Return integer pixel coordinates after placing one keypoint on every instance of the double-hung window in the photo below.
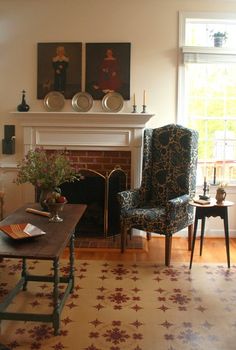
(207, 91)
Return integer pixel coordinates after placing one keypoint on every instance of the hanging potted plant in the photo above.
(219, 38)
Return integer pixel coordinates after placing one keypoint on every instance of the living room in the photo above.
(153, 31)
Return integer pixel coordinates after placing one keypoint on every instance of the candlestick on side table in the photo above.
(214, 175)
(205, 190)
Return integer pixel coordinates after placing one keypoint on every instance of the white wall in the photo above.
(151, 26)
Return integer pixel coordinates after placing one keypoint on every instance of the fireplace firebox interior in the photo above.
(102, 216)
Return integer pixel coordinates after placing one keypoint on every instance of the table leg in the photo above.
(72, 258)
(194, 239)
(226, 227)
(190, 235)
(56, 314)
(123, 237)
(24, 273)
(202, 233)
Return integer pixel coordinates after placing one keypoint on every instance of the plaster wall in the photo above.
(151, 26)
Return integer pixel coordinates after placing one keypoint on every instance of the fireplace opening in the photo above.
(99, 192)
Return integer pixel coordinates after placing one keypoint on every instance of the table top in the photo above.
(212, 204)
(48, 246)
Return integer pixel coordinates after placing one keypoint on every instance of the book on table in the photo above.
(202, 201)
(22, 231)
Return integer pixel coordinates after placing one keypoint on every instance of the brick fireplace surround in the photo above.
(101, 161)
(98, 141)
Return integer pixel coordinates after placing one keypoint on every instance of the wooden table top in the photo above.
(48, 246)
(212, 204)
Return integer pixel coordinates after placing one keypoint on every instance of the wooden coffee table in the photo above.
(47, 247)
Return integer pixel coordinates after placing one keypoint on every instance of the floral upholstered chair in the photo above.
(161, 204)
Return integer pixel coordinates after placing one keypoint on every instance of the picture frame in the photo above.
(108, 69)
(59, 68)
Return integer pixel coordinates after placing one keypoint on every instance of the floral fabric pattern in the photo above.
(160, 205)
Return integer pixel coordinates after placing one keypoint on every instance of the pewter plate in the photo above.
(112, 102)
(54, 101)
(82, 102)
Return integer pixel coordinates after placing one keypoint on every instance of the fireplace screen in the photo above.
(99, 192)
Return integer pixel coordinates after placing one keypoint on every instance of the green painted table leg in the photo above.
(72, 259)
(56, 313)
(24, 273)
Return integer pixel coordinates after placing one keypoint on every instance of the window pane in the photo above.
(199, 32)
(211, 109)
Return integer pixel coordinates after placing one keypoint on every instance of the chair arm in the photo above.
(178, 206)
(128, 199)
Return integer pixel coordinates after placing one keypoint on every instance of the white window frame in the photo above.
(198, 54)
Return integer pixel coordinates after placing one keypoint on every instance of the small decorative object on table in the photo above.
(46, 171)
(23, 107)
(220, 194)
(55, 203)
(205, 190)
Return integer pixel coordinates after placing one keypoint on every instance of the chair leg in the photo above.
(168, 244)
(190, 236)
(123, 238)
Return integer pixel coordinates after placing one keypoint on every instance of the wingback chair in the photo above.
(161, 204)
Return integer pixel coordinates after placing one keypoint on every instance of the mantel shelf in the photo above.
(91, 119)
(86, 114)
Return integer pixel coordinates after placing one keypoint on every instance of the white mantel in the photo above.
(87, 131)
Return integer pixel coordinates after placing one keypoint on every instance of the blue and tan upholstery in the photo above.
(161, 204)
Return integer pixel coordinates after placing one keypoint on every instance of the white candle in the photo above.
(134, 100)
(144, 97)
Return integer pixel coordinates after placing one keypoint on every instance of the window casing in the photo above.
(207, 92)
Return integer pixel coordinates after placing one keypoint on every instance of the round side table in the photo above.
(207, 210)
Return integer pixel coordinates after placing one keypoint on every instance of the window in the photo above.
(207, 92)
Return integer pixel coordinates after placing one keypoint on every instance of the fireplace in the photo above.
(98, 131)
(100, 139)
(101, 217)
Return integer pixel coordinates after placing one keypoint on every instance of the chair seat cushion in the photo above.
(148, 218)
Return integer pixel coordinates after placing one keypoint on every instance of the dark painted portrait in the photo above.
(59, 68)
(108, 69)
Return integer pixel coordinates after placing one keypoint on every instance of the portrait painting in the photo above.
(59, 69)
(108, 69)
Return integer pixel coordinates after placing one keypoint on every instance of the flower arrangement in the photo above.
(45, 169)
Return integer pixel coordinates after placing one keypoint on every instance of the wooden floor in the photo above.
(213, 251)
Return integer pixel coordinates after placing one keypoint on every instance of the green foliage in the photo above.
(222, 35)
(45, 170)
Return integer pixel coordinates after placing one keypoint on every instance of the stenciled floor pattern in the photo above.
(123, 305)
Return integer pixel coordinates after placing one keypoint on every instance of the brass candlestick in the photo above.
(134, 109)
(144, 109)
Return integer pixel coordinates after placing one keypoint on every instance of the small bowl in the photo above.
(54, 209)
